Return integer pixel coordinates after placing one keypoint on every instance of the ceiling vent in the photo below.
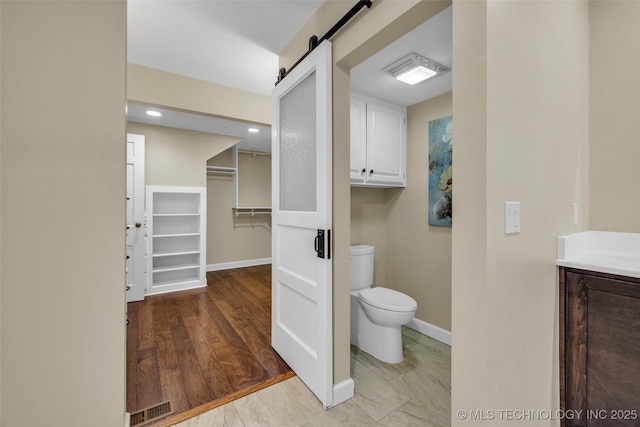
(413, 69)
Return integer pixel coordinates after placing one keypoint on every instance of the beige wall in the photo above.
(150, 86)
(236, 238)
(418, 256)
(177, 156)
(522, 132)
(469, 320)
(369, 226)
(371, 30)
(614, 175)
(254, 180)
(63, 213)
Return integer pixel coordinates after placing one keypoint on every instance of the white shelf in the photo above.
(252, 211)
(177, 268)
(188, 282)
(176, 235)
(167, 254)
(177, 247)
(176, 214)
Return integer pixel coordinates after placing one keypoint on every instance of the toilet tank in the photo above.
(361, 266)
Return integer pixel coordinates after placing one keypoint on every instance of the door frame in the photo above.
(137, 229)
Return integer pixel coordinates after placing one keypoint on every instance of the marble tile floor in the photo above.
(416, 392)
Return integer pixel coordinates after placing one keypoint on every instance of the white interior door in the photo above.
(136, 229)
(301, 322)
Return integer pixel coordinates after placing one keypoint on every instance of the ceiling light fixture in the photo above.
(413, 68)
(254, 130)
(154, 113)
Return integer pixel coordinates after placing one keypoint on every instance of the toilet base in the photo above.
(382, 342)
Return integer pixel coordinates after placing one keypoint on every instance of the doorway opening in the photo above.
(170, 355)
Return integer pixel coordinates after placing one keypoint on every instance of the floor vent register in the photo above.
(152, 413)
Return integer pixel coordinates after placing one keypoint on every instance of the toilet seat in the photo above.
(388, 299)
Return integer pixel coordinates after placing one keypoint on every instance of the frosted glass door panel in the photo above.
(298, 147)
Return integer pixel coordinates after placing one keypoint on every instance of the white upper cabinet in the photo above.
(378, 143)
(358, 141)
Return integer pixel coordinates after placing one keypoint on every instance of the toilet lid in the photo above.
(388, 299)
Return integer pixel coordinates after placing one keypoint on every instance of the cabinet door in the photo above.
(358, 141)
(602, 340)
(386, 142)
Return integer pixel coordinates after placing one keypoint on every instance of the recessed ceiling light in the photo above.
(254, 130)
(154, 113)
(413, 68)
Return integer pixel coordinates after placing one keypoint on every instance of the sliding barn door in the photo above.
(301, 231)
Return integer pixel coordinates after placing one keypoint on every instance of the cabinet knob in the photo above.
(138, 224)
(371, 171)
(364, 170)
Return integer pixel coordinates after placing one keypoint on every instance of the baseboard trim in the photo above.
(238, 264)
(342, 392)
(430, 330)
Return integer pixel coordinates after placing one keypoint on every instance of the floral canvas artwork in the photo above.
(440, 177)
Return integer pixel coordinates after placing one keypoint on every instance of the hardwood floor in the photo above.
(198, 346)
(415, 392)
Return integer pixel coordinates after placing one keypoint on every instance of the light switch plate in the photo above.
(511, 217)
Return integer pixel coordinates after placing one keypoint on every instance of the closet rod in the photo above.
(254, 153)
(252, 211)
(221, 169)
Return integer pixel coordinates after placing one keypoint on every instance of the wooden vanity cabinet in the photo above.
(599, 348)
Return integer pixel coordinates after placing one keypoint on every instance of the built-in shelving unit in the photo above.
(177, 226)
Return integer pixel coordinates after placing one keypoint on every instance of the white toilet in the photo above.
(376, 313)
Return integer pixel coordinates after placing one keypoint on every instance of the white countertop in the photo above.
(603, 251)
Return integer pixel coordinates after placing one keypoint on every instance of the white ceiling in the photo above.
(236, 43)
(432, 40)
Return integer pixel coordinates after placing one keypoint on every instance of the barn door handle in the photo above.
(318, 244)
